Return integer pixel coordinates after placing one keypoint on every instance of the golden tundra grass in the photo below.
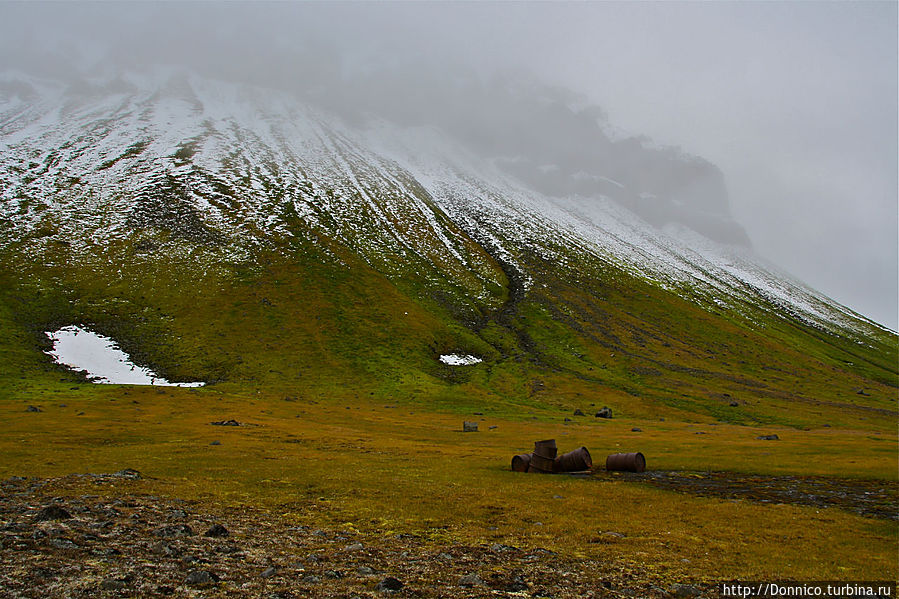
(344, 462)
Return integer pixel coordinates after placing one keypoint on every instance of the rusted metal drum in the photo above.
(574, 461)
(626, 462)
(543, 458)
(521, 462)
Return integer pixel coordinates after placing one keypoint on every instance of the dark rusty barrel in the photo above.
(544, 455)
(521, 462)
(626, 462)
(574, 461)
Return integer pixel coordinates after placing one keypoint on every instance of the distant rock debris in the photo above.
(231, 422)
(605, 412)
(52, 512)
(683, 591)
(471, 580)
(33, 409)
(469, 427)
(389, 584)
(216, 530)
(174, 531)
(200, 577)
(767, 438)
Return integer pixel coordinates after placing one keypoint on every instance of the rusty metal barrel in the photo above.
(626, 462)
(574, 461)
(521, 462)
(543, 458)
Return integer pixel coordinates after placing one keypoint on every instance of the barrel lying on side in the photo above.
(574, 461)
(543, 458)
(521, 462)
(626, 462)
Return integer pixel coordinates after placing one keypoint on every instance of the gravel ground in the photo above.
(55, 542)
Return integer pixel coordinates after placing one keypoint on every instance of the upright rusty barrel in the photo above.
(574, 461)
(544, 456)
(626, 462)
(521, 462)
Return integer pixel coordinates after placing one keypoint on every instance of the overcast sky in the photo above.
(795, 102)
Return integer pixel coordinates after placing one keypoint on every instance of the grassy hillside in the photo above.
(351, 420)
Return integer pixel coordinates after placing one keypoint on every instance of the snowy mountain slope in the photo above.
(235, 161)
(99, 156)
(225, 232)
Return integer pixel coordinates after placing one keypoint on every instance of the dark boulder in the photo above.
(389, 584)
(52, 512)
(216, 530)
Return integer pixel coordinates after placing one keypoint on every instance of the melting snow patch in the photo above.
(459, 360)
(101, 359)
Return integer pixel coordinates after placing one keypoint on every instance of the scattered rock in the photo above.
(216, 443)
(161, 548)
(312, 579)
(231, 422)
(63, 544)
(734, 404)
(636, 430)
(52, 512)
(605, 412)
(516, 585)
(767, 438)
(269, 572)
(578, 412)
(112, 585)
(469, 427)
(681, 591)
(492, 426)
(198, 577)
(354, 547)
(389, 584)
(217, 530)
(33, 409)
(174, 531)
(568, 419)
(365, 571)
(128, 473)
(471, 580)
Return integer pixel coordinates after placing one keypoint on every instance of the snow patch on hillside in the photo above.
(104, 362)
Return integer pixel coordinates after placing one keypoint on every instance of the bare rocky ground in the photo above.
(868, 498)
(56, 542)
